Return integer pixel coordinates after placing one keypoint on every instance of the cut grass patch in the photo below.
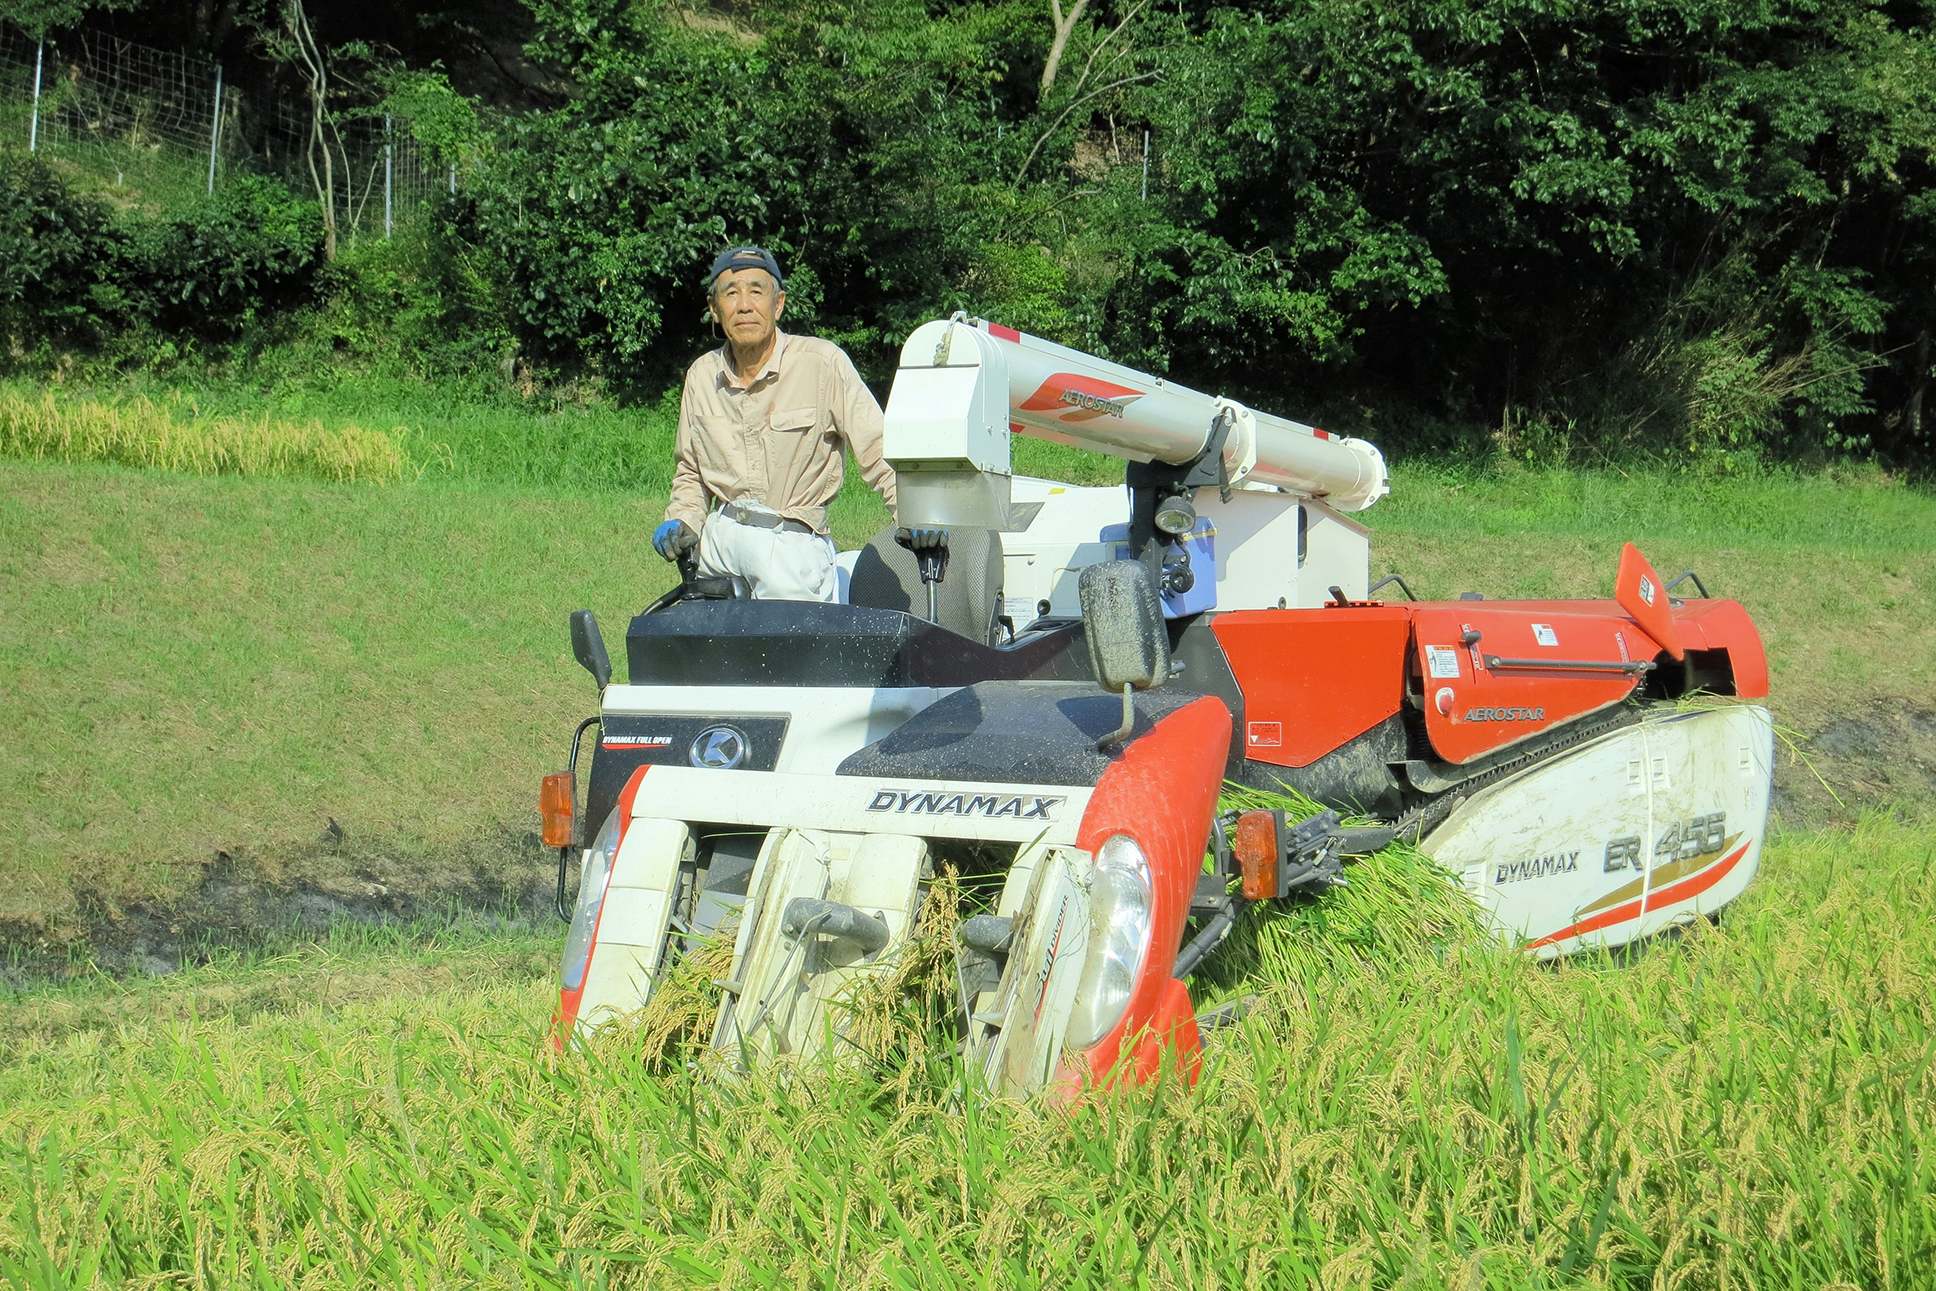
(193, 665)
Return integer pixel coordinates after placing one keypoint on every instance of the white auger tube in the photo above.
(941, 415)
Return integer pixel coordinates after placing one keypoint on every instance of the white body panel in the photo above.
(1656, 824)
(1018, 1029)
(1258, 557)
(995, 813)
(631, 933)
(946, 431)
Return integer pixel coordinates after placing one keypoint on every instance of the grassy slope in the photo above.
(1839, 572)
(192, 665)
(1738, 1109)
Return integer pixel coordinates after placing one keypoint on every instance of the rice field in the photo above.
(1405, 1105)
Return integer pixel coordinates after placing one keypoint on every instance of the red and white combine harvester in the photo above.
(1056, 697)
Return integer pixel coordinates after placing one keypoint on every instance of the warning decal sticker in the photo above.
(1442, 660)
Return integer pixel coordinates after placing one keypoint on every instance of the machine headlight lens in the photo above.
(1176, 516)
(1119, 936)
(592, 881)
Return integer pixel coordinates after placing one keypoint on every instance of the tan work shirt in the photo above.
(777, 439)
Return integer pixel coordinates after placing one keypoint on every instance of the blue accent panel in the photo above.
(1202, 546)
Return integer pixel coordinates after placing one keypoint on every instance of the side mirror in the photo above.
(588, 647)
(1129, 644)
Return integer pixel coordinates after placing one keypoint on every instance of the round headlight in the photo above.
(1176, 516)
(1119, 936)
(592, 880)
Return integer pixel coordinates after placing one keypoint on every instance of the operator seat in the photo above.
(969, 599)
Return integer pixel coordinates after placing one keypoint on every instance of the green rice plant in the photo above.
(140, 432)
(1741, 1107)
(1394, 904)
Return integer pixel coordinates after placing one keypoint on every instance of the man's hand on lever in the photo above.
(930, 548)
(922, 539)
(673, 539)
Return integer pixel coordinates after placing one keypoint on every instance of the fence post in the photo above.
(453, 177)
(215, 128)
(1146, 165)
(387, 154)
(33, 122)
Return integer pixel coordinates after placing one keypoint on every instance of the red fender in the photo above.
(1162, 792)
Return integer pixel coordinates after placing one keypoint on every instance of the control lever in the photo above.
(692, 587)
(695, 588)
(930, 548)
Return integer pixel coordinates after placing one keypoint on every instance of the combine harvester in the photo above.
(1059, 694)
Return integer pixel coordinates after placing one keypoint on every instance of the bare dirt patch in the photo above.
(1880, 755)
(260, 902)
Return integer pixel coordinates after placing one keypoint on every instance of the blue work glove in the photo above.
(674, 537)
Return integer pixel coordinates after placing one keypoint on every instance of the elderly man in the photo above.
(761, 423)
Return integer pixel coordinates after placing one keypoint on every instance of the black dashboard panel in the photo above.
(1015, 732)
(800, 643)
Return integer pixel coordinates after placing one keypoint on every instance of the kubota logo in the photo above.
(1085, 398)
(718, 748)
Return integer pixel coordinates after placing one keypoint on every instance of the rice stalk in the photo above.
(1745, 1107)
(142, 433)
(906, 1014)
(676, 1024)
(1392, 905)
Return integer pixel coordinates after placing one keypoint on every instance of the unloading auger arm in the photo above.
(965, 385)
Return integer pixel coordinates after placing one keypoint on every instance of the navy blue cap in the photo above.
(745, 258)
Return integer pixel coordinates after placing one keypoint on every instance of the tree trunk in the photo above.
(1063, 29)
(1912, 417)
(325, 180)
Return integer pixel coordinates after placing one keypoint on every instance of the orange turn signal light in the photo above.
(555, 804)
(1258, 854)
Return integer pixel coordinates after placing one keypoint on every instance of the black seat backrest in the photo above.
(969, 600)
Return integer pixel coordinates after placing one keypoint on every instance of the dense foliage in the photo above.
(1688, 227)
(1691, 225)
(72, 269)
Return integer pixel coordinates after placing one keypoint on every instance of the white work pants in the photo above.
(768, 564)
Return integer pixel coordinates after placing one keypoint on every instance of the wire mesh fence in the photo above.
(159, 127)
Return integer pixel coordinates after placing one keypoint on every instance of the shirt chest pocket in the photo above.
(795, 421)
